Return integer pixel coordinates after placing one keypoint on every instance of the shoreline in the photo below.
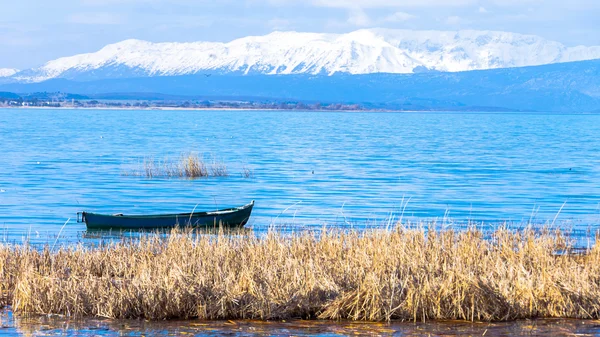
(204, 109)
(442, 111)
(31, 325)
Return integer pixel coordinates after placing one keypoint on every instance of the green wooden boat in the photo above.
(229, 218)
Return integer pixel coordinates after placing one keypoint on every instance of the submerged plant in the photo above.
(218, 169)
(247, 172)
(186, 166)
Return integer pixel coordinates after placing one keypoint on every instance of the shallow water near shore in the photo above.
(60, 326)
(310, 169)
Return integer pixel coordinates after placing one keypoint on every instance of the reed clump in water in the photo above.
(375, 275)
(247, 172)
(186, 166)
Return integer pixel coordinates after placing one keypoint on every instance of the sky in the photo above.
(35, 31)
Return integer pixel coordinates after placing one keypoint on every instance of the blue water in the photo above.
(310, 168)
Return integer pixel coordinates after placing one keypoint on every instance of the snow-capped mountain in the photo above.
(6, 72)
(359, 52)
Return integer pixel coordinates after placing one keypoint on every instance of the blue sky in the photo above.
(35, 31)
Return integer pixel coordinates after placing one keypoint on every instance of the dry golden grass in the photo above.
(375, 275)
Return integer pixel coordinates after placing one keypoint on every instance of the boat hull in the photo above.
(229, 218)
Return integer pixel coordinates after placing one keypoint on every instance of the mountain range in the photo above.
(363, 51)
(7, 72)
(393, 69)
(561, 87)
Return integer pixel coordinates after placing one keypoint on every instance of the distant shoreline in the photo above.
(137, 108)
(203, 109)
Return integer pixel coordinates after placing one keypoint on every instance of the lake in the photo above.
(310, 169)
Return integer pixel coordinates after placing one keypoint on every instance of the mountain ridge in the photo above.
(561, 87)
(363, 51)
(7, 72)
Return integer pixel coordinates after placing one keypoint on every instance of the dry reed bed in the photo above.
(375, 276)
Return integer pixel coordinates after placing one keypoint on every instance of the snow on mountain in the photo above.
(6, 72)
(359, 52)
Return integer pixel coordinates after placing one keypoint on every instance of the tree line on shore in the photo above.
(57, 100)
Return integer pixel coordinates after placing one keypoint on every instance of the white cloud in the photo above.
(399, 17)
(358, 17)
(482, 10)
